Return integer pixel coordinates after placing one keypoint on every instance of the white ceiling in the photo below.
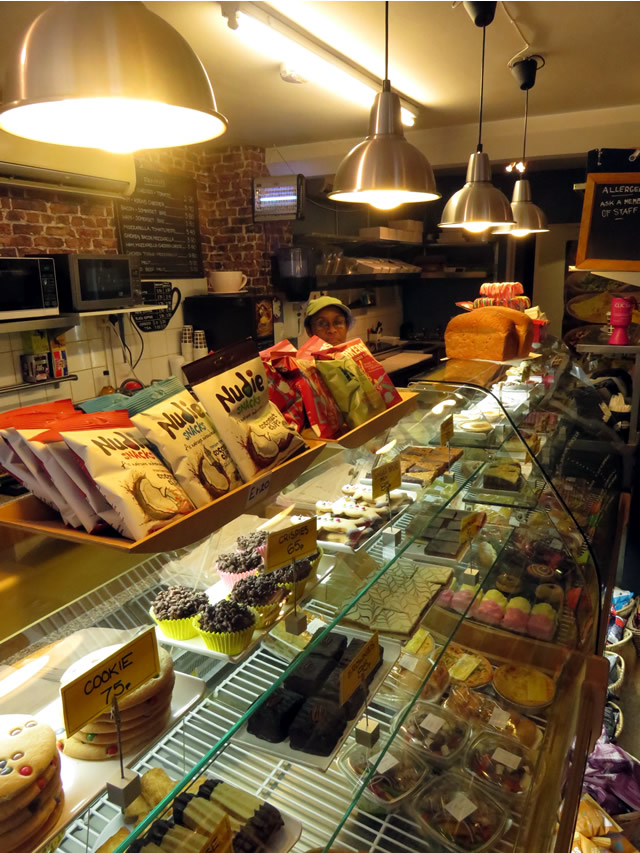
(590, 51)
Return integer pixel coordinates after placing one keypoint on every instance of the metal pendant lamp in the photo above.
(384, 170)
(479, 205)
(107, 75)
(528, 217)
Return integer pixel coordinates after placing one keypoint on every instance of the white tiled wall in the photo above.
(93, 348)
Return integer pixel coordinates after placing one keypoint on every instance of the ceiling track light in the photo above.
(528, 217)
(479, 205)
(384, 170)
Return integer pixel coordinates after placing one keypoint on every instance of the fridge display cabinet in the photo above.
(415, 788)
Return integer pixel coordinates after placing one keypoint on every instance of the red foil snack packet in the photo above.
(282, 376)
(358, 351)
(320, 408)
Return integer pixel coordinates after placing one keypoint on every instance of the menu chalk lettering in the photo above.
(159, 222)
(93, 692)
(610, 222)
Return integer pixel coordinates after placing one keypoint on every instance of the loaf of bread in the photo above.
(524, 328)
(484, 333)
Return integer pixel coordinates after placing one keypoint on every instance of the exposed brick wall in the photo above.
(41, 220)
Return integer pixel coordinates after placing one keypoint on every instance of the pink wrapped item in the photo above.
(502, 289)
(321, 410)
(283, 377)
(462, 598)
(444, 599)
(489, 612)
(516, 620)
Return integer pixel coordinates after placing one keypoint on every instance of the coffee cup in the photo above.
(226, 281)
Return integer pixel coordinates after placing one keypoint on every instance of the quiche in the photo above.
(524, 685)
(466, 666)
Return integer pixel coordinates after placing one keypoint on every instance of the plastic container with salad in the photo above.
(398, 775)
(504, 765)
(439, 735)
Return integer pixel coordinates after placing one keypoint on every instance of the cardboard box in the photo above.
(58, 361)
(35, 367)
(35, 342)
(407, 225)
(380, 233)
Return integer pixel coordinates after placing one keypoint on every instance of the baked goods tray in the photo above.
(525, 498)
(32, 516)
(216, 593)
(390, 653)
(83, 781)
(341, 548)
(372, 428)
(281, 842)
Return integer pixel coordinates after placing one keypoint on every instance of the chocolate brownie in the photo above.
(309, 675)
(318, 727)
(271, 721)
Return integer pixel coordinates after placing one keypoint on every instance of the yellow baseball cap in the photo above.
(321, 302)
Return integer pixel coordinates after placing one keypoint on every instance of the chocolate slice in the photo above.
(271, 721)
(330, 646)
(317, 727)
(331, 692)
(309, 675)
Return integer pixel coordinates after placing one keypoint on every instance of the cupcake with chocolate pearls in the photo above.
(225, 627)
(173, 610)
(261, 595)
(256, 541)
(234, 566)
(287, 577)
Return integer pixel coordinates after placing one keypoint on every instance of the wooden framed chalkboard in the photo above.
(160, 223)
(610, 226)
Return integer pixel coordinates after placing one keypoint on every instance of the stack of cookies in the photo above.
(144, 713)
(30, 787)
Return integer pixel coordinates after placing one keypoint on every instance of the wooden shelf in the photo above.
(355, 438)
(32, 516)
(342, 282)
(464, 274)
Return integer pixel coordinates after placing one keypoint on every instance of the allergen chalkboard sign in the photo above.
(610, 226)
(159, 222)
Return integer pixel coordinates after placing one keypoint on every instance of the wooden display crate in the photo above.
(355, 438)
(32, 516)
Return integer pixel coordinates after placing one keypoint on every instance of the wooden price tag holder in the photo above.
(354, 676)
(97, 690)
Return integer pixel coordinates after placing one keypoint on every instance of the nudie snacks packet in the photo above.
(179, 430)
(143, 492)
(232, 386)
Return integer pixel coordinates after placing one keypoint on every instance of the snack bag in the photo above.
(350, 387)
(178, 429)
(105, 403)
(232, 386)
(40, 484)
(282, 375)
(375, 372)
(144, 494)
(320, 408)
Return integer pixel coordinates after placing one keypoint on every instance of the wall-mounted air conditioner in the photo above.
(60, 167)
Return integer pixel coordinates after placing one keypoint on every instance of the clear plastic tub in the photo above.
(501, 763)
(439, 735)
(405, 678)
(398, 775)
(482, 712)
(456, 810)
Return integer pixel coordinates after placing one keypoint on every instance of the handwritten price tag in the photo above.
(469, 526)
(292, 543)
(92, 692)
(258, 491)
(359, 669)
(446, 430)
(220, 839)
(385, 478)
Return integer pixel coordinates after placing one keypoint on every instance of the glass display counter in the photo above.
(446, 668)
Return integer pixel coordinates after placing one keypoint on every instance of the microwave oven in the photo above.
(97, 282)
(27, 288)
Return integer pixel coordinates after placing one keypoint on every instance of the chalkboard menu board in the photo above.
(159, 222)
(610, 226)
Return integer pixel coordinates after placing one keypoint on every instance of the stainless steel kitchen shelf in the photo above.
(30, 386)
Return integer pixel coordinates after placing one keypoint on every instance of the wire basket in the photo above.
(616, 687)
(615, 647)
(635, 632)
(628, 608)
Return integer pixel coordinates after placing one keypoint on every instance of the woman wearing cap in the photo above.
(329, 319)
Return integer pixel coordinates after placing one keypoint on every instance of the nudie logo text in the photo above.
(183, 415)
(247, 386)
(116, 441)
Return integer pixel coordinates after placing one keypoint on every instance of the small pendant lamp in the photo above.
(107, 75)
(528, 217)
(384, 170)
(479, 205)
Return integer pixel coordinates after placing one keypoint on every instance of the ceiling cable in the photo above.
(484, 38)
(526, 118)
(386, 40)
(527, 45)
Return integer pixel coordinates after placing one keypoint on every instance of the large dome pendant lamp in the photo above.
(107, 75)
(528, 217)
(479, 205)
(384, 170)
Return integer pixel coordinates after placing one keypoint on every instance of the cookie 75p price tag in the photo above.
(385, 478)
(92, 692)
(291, 543)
